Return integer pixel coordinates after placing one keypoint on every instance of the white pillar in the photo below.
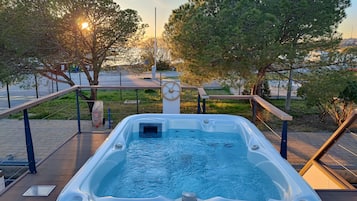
(153, 72)
(171, 91)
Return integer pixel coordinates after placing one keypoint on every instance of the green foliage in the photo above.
(229, 107)
(350, 92)
(323, 85)
(265, 90)
(10, 63)
(298, 107)
(215, 38)
(50, 33)
(332, 91)
(163, 65)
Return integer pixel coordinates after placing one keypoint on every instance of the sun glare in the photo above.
(85, 25)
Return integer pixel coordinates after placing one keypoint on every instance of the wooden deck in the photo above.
(66, 161)
(58, 169)
(338, 195)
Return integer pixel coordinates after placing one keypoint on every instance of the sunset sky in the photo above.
(146, 9)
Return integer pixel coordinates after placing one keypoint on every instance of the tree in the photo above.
(72, 32)
(249, 36)
(11, 64)
(350, 92)
(332, 90)
(162, 57)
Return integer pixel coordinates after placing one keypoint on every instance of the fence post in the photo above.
(204, 106)
(137, 101)
(78, 111)
(198, 103)
(29, 144)
(254, 110)
(8, 95)
(284, 140)
(109, 119)
(36, 85)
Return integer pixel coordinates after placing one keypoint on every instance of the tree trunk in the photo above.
(93, 98)
(257, 87)
(257, 90)
(288, 93)
(93, 82)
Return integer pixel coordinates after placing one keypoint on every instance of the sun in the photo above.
(85, 25)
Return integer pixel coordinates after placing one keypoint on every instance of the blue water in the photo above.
(204, 163)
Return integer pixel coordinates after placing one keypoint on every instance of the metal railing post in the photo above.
(204, 106)
(137, 101)
(109, 119)
(29, 144)
(254, 110)
(78, 111)
(198, 104)
(8, 95)
(284, 140)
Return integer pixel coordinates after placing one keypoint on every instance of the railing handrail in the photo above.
(52, 96)
(272, 109)
(36, 102)
(265, 104)
(127, 87)
(202, 93)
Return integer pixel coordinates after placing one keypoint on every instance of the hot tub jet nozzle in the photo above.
(189, 196)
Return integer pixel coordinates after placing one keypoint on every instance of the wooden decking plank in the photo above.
(58, 169)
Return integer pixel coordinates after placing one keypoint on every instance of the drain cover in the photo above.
(39, 190)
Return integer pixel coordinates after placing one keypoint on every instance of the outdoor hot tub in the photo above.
(188, 157)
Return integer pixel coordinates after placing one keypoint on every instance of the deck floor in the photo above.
(58, 169)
